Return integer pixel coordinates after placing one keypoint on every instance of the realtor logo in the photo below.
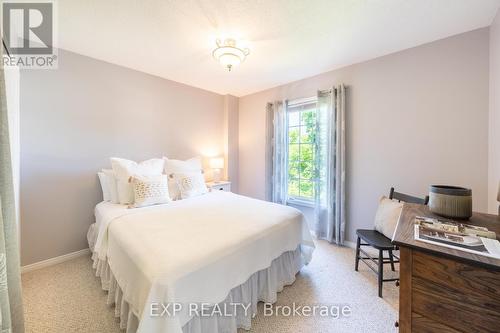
(28, 34)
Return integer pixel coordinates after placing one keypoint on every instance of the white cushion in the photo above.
(190, 184)
(387, 216)
(179, 166)
(172, 167)
(150, 190)
(124, 169)
(104, 185)
(112, 186)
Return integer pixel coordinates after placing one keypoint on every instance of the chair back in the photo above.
(401, 197)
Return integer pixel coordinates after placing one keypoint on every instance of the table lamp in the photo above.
(217, 163)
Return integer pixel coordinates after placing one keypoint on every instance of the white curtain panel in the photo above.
(11, 319)
(330, 166)
(279, 151)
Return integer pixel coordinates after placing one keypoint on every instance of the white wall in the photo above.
(494, 120)
(414, 118)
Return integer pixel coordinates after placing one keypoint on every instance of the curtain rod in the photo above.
(305, 100)
(329, 90)
(302, 101)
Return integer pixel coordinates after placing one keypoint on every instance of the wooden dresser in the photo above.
(446, 290)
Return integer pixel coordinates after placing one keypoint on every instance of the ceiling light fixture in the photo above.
(228, 54)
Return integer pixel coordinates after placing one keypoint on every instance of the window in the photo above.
(301, 143)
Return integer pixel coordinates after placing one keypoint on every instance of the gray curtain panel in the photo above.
(330, 166)
(279, 151)
(10, 274)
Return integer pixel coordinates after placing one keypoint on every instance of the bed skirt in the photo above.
(261, 286)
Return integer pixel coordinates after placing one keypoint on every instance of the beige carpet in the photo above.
(68, 298)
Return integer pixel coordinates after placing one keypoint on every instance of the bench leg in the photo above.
(392, 260)
(356, 264)
(380, 271)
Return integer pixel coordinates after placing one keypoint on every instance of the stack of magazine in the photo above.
(456, 235)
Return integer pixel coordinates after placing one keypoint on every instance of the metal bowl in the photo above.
(450, 201)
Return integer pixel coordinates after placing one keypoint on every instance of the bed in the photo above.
(218, 249)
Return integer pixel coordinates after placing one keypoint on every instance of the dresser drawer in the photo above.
(451, 296)
(423, 324)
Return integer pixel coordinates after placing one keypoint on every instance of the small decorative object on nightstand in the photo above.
(222, 185)
(217, 163)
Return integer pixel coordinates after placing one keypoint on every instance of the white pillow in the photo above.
(112, 187)
(172, 167)
(150, 190)
(178, 166)
(104, 185)
(124, 169)
(190, 184)
(387, 216)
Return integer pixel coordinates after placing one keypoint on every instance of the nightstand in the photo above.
(223, 185)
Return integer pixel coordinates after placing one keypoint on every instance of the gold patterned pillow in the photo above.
(190, 184)
(150, 190)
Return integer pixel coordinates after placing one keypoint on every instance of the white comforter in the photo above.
(194, 250)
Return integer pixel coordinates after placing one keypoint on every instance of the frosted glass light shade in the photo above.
(217, 163)
(228, 54)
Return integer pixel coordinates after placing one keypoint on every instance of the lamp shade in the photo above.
(228, 54)
(216, 163)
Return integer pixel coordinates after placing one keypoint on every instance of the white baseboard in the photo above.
(54, 261)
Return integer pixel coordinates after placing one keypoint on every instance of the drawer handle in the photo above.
(396, 324)
(221, 189)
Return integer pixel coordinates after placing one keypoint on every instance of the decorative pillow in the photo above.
(172, 167)
(190, 184)
(387, 216)
(150, 190)
(112, 187)
(124, 169)
(104, 185)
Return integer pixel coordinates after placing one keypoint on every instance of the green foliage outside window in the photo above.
(301, 138)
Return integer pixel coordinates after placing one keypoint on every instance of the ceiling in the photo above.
(289, 39)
